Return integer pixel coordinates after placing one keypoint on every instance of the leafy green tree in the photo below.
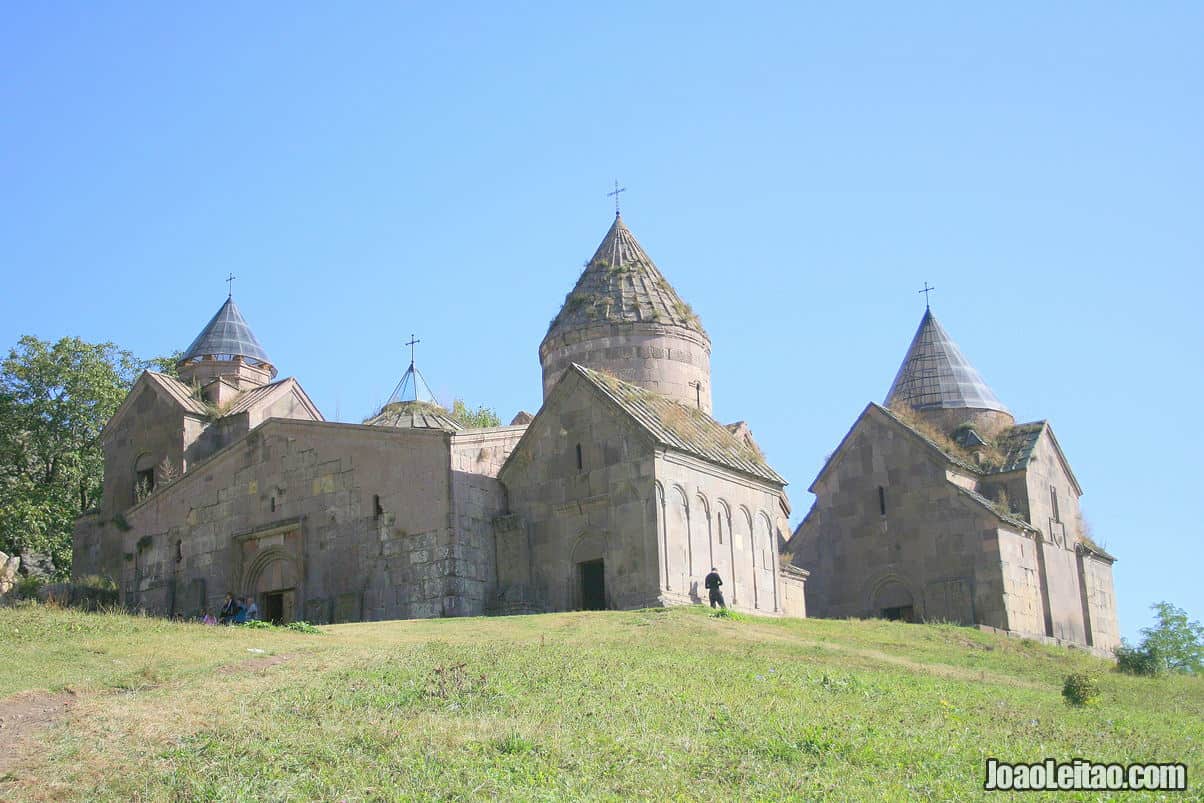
(54, 400)
(1176, 641)
(474, 419)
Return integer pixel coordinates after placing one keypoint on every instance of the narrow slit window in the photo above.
(1053, 504)
(580, 462)
(881, 500)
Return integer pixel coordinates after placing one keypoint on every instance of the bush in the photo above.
(302, 627)
(27, 587)
(1142, 660)
(1080, 689)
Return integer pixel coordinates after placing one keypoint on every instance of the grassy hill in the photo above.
(658, 704)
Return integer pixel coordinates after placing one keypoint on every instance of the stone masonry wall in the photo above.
(934, 548)
(562, 514)
(1101, 602)
(357, 517)
(714, 517)
(660, 358)
(477, 498)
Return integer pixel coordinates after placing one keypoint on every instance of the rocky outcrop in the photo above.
(8, 572)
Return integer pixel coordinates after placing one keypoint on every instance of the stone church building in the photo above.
(621, 492)
(937, 505)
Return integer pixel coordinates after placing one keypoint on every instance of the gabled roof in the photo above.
(676, 426)
(932, 445)
(1018, 444)
(178, 392)
(620, 284)
(265, 394)
(227, 335)
(166, 387)
(936, 375)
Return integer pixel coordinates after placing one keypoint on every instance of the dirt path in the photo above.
(23, 716)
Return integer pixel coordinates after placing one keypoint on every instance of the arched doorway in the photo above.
(892, 600)
(589, 564)
(271, 579)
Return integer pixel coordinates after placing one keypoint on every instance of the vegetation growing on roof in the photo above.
(478, 418)
(985, 458)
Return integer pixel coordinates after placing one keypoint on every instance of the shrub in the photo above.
(1140, 660)
(1080, 689)
(27, 587)
(302, 627)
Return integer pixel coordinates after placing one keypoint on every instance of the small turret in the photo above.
(412, 404)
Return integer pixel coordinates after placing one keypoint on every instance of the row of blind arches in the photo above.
(695, 537)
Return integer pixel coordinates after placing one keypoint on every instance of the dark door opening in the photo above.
(278, 606)
(593, 586)
(900, 613)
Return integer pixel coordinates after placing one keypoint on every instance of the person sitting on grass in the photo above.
(252, 610)
(207, 618)
(712, 582)
(229, 608)
(240, 613)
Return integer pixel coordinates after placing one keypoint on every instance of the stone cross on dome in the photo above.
(413, 341)
(926, 291)
(615, 195)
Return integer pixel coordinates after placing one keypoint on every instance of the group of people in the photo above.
(235, 611)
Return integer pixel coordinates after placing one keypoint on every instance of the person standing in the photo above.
(712, 583)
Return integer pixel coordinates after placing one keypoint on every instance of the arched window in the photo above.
(144, 476)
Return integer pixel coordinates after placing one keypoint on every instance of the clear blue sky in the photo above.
(371, 170)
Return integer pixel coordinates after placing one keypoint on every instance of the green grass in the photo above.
(643, 704)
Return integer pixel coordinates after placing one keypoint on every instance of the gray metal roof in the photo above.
(620, 284)
(227, 335)
(935, 374)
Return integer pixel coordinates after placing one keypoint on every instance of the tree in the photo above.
(474, 419)
(1177, 642)
(54, 400)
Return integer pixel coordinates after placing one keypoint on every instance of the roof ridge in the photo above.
(680, 427)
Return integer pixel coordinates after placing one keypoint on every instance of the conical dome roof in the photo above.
(936, 375)
(227, 335)
(621, 284)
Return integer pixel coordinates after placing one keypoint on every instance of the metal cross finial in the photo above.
(926, 291)
(411, 344)
(230, 285)
(618, 189)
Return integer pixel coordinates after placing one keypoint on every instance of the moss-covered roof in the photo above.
(620, 284)
(1018, 444)
(686, 429)
(414, 414)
